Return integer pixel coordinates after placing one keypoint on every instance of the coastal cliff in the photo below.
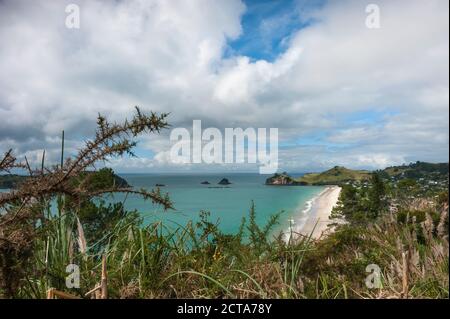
(283, 179)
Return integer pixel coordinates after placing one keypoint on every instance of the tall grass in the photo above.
(198, 261)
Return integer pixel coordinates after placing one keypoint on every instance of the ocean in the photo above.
(227, 206)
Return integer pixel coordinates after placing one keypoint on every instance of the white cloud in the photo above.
(169, 56)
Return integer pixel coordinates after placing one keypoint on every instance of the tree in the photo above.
(377, 196)
(350, 205)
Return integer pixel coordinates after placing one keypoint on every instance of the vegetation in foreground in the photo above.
(407, 239)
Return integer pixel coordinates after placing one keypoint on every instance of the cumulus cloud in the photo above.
(170, 56)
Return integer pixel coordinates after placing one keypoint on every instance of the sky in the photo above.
(339, 93)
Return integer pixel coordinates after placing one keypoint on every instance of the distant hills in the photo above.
(417, 170)
(11, 181)
(336, 175)
(339, 175)
(424, 173)
(104, 175)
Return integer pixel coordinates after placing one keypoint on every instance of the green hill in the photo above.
(418, 170)
(11, 180)
(336, 175)
(436, 173)
(104, 176)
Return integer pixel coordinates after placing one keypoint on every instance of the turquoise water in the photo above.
(226, 205)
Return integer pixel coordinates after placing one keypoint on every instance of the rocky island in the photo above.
(224, 181)
(283, 179)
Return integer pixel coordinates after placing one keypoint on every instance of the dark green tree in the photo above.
(350, 205)
(377, 196)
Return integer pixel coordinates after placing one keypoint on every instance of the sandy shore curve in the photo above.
(317, 219)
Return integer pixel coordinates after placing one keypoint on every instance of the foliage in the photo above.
(23, 216)
(199, 261)
(377, 196)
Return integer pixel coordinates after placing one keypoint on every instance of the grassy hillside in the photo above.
(336, 175)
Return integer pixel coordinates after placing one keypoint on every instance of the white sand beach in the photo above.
(317, 219)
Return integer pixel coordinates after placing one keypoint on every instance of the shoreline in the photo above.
(317, 216)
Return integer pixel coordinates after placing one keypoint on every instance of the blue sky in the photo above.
(267, 26)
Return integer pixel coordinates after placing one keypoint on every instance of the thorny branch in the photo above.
(111, 140)
(9, 162)
(21, 208)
